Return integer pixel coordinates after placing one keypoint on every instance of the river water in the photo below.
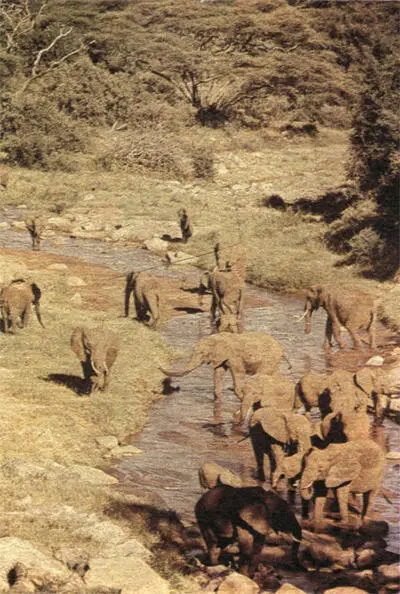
(186, 428)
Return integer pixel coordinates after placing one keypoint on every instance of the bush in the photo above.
(367, 247)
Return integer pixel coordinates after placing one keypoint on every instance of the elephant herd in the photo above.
(334, 453)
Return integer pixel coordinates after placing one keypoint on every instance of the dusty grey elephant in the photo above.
(212, 474)
(16, 301)
(354, 310)
(245, 515)
(97, 349)
(36, 227)
(247, 353)
(271, 433)
(339, 427)
(338, 391)
(354, 467)
(185, 225)
(263, 391)
(380, 383)
(227, 289)
(146, 290)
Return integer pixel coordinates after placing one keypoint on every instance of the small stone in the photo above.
(367, 558)
(4, 225)
(76, 299)
(95, 476)
(19, 225)
(22, 206)
(393, 456)
(58, 266)
(389, 573)
(156, 245)
(107, 441)
(75, 281)
(236, 583)
(345, 590)
(289, 589)
(128, 450)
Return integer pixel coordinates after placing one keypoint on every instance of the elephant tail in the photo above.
(128, 291)
(290, 366)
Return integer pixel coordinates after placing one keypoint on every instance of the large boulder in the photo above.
(129, 574)
(236, 583)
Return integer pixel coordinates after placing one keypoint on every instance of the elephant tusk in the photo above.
(307, 486)
(94, 368)
(302, 317)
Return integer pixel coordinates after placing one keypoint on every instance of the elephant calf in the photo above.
(97, 350)
(212, 475)
(16, 301)
(245, 515)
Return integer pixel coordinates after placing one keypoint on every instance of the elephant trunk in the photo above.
(194, 362)
(308, 312)
(306, 486)
(128, 291)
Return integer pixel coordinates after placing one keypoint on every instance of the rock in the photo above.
(75, 281)
(272, 555)
(130, 574)
(368, 558)
(129, 548)
(22, 206)
(389, 573)
(91, 475)
(22, 470)
(18, 225)
(107, 441)
(128, 450)
(327, 554)
(180, 258)
(76, 299)
(4, 225)
(58, 266)
(62, 224)
(393, 456)
(289, 589)
(156, 245)
(345, 590)
(236, 583)
(15, 551)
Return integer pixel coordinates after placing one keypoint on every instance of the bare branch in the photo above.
(61, 35)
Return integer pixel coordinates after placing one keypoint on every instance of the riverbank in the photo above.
(285, 250)
(55, 442)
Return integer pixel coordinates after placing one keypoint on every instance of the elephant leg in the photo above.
(372, 336)
(319, 504)
(212, 544)
(26, 314)
(342, 494)
(260, 444)
(368, 500)
(4, 315)
(153, 306)
(14, 317)
(277, 470)
(353, 333)
(238, 377)
(337, 333)
(328, 333)
(250, 545)
(87, 374)
(219, 374)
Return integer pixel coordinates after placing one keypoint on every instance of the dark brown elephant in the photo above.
(97, 350)
(185, 225)
(35, 226)
(146, 290)
(16, 301)
(244, 515)
(354, 310)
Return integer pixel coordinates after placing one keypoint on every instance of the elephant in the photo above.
(352, 309)
(353, 467)
(245, 515)
(185, 225)
(271, 433)
(338, 391)
(227, 299)
(212, 474)
(4, 177)
(263, 390)
(380, 383)
(97, 349)
(35, 226)
(339, 427)
(230, 258)
(247, 353)
(16, 300)
(147, 295)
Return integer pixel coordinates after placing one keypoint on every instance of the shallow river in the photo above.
(185, 428)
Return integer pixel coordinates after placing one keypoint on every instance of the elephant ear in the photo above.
(220, 351)
(365, 379)
(345, 467)
(273, 424)
(77, 344)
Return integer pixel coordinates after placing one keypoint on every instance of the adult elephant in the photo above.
(147, 297)
(97, 350)
(230, 257)
(36, 227)
(380, 383)
(354, 467)
(272, 433)
(241, 354)
(263, 391)
(245, 516)
(16, 301)
(227, 299)
(338, 391)
(354, 310)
